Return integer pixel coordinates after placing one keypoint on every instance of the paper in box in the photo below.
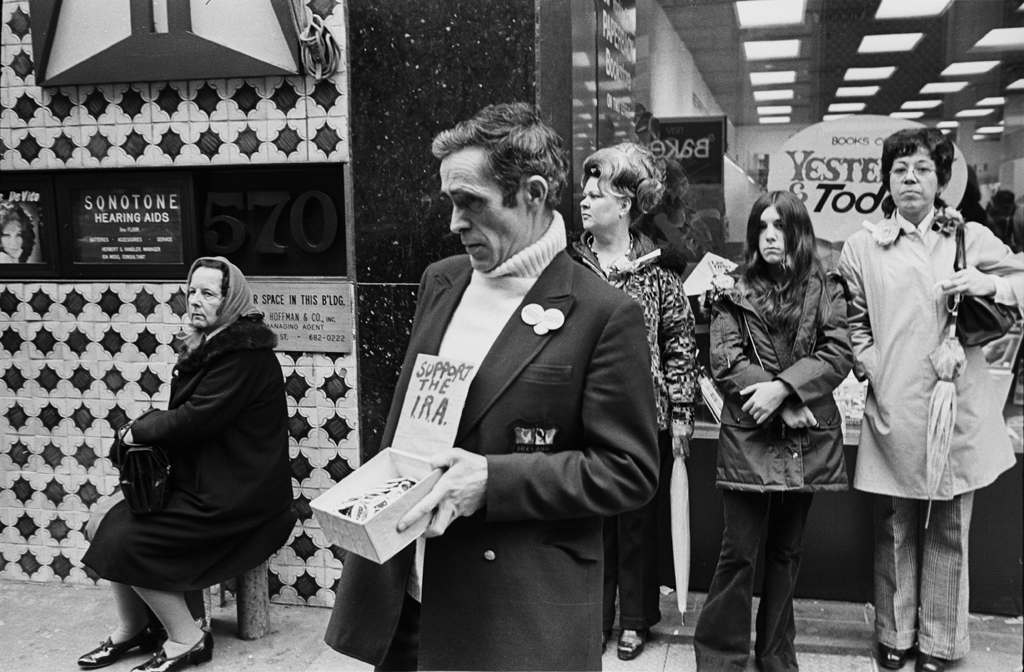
(376, 538)
(428, 422)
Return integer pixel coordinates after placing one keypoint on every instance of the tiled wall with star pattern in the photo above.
(158, 124)
(76, 362)
(79, 359)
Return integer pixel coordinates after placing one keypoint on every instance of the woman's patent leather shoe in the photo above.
(631, 643)
(200, 653)
(890, 658)
(926, 663)
(108, 653)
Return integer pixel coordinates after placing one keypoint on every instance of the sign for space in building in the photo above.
(140, 222)
(835, 167)
(307, 315)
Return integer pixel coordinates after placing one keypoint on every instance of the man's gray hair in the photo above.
(518, 144)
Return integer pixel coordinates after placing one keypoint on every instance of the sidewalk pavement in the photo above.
(46, 626)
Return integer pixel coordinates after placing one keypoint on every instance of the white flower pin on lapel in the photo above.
(542, 320)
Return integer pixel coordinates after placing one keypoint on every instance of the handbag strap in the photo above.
(959, 263)
(960, 260)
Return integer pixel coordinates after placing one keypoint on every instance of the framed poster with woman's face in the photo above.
(27, 227)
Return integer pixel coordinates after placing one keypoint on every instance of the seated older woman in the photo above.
(230, 497)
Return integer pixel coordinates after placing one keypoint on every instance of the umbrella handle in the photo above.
(953, 308)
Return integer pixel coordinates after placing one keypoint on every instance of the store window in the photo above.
(755, 95)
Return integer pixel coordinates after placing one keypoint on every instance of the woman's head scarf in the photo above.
(237, 301)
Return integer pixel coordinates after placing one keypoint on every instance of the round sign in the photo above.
(835, 167)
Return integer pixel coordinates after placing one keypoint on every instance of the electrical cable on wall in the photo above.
(318, 49)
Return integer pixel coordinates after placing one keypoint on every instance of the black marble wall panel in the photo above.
(417, 67)
(385, 318)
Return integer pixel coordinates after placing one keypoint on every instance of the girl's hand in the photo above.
(968, 281)
(798, 417)
(765, 399)
(680, 446)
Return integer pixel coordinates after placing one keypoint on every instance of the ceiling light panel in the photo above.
(991, 101)
(968, 68)
(920, 104)
(907, 9)
(771, 78)
(868, 74)
(768, 110)
(833, 117)
(774, 120)
(770, 50)
(942, 87)
(856, 91)
(906, 115)
(773, 94)
(975, 112)
(846, 107)
(1016, 85)
(989, 129)
(890, 42)
(948, 124)
(1001, 39)
(762, 13)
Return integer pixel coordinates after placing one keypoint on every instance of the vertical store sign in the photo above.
(616, 66)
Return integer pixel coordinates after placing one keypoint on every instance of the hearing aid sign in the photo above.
(433, 404)
(306, 316)
(835, 167)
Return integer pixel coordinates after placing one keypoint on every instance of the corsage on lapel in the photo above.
(946, 220)
(885, 233)
(721, 284)
(625, 266)
(542, 320)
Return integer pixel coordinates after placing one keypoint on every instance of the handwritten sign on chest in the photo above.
(433, 404)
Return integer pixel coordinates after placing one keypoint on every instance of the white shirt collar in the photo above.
(923, 227)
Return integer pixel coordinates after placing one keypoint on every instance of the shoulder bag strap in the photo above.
(959, 263)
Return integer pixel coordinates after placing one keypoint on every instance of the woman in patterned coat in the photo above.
(622, 186)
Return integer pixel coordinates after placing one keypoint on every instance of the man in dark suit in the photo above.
(557, 432)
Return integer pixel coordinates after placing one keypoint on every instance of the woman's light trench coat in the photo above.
(896, 316)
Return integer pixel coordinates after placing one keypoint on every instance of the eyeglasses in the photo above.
(920, 170)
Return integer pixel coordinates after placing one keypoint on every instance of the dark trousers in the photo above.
(722, 637)
(403, 653)
(631, 547)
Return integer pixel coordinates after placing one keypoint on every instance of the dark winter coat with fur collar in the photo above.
(225, 432)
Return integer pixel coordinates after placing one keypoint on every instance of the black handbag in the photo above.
(979, 319)
(145, 474)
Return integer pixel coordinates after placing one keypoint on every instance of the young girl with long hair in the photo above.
(778, 349)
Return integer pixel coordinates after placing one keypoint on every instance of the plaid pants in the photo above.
(921, 579)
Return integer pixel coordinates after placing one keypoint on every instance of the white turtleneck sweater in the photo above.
(486, 306)
(492, 296)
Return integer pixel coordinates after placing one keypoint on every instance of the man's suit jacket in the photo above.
(566, 421)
